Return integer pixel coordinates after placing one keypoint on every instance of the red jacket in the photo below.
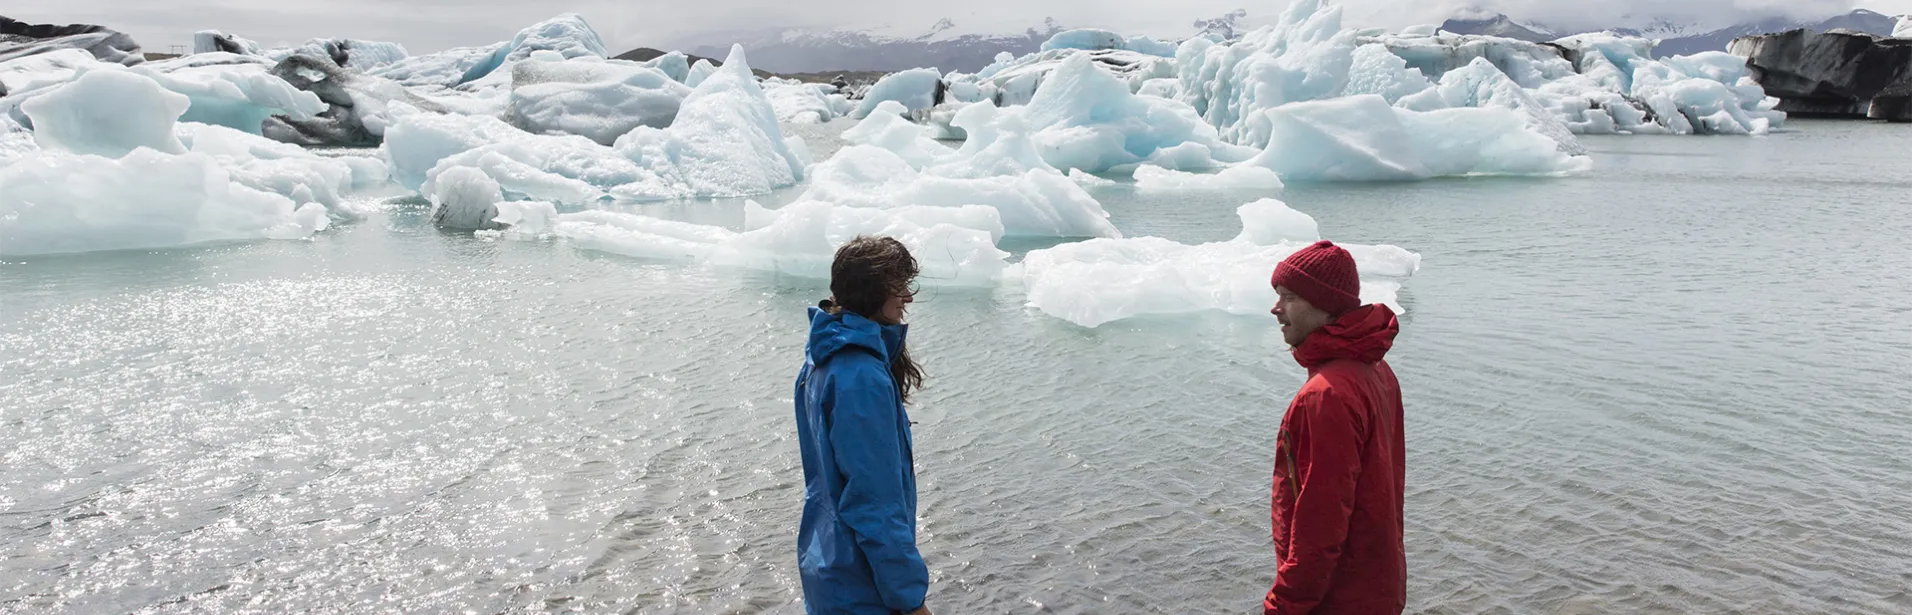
(1339, 472)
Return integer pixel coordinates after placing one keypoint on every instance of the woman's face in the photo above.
(898, 303)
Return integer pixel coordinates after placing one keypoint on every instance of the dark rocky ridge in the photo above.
(1835, 74)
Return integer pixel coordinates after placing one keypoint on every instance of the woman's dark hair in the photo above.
(869, 271)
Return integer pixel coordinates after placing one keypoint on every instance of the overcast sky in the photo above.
(431, 25)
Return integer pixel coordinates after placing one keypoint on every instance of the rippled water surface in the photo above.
(1677, 385)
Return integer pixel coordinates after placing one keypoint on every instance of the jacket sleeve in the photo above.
(870, 454)
(1326, 445)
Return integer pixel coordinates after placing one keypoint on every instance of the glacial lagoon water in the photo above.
(1679, 384)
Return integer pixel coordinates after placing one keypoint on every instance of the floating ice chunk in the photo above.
(1304, 57)
(467, 199)
(700, 71)
(418, 142)
(56, 202)
(917, 89)
(107, 112)
(725, 140)
(1268, 222)
(445, 68)
(21, 75)
(1095, 282)
(1480, 84)
(1089, 180)
(1154, 178)
(1378, 71)
(597, 100)
(802, 238)
(1361, 138)
(348, 53)
(1903, 28)
(1528, 64)
(887, 129)
(675, 64)
(801, 103)
(1036, 203)
(1084, 118)
(1090, 40)
(527, 219)
(285, 169)
(640, 236)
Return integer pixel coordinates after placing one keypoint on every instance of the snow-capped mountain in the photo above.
(947, 45)
(1676, 36)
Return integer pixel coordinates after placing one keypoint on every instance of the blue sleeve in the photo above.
(870, 454)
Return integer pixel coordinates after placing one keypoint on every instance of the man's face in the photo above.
(1298, 317)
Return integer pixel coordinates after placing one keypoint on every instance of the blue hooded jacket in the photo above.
(856, 549)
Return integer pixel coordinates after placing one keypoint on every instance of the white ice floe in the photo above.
(598, 100)
(1362, 138)
(1150, 178)
(1099, 281)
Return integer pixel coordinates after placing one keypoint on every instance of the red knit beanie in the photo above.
(1324, 275)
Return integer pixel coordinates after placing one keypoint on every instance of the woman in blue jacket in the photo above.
(856, 548)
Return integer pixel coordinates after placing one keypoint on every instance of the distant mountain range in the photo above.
(944, 45)
(1677, 38)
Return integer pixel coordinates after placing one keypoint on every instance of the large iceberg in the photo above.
(568, 35)
(61, 203)
(228, 91)
(92, 115)
(1592, 83)
(110, 172)
(600, 100)
(890, 163)
(953, 246)
(1362, 138)
(725, 142)
(917, 90)
(358, 107)
(1099, 281)
(804, 103)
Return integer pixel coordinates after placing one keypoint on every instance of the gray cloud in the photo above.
(431, 25)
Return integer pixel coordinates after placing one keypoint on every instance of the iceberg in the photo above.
(953, 246)
(447, 68)
(1013, 81)
(1092, 40)
(62, 203)
(1480, 84)
(1084, 118)
(1099, 281)
(599, 100)
(108, 113)
(700, 71)
(917, 89)
(358, 107)
(20, 40)
(284, 169)
(675, 64)
(802, 103)
(1362, 138)
(725, 142)
(1151, 178)
(1035, 203)
(226, 91)
(348, 53)
(486, 67)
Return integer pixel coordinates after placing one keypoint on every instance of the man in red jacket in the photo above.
(1340, 461)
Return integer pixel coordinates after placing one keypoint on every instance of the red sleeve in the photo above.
(1326, 444)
